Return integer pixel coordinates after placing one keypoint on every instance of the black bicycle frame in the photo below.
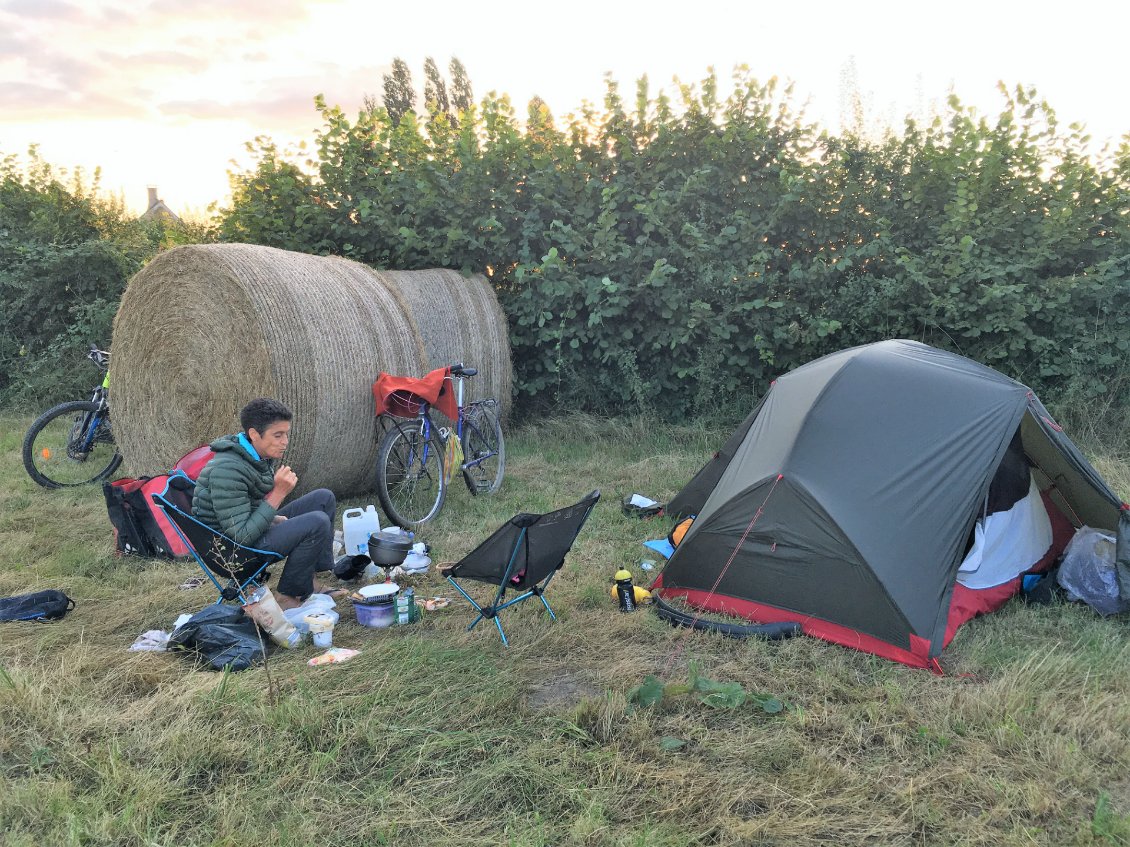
(470, 463)
(94, 421)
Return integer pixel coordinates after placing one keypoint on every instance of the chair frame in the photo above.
(498, 604)
(224, 549)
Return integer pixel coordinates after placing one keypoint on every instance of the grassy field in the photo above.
(436, 736)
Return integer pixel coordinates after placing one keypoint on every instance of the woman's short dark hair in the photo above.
(261, 413)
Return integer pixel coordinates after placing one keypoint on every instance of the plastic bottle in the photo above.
(625, 592)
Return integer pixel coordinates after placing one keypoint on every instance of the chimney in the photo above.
(153, 201)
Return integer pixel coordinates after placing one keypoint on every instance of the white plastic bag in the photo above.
(1088, 571)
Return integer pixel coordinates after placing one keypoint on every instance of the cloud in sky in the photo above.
(158, 59)
(65, 62)
(280, 110)
(58, 11)
(270, 13)
(169, 90)
(47, 103)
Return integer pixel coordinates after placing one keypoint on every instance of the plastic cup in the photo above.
(321, 628)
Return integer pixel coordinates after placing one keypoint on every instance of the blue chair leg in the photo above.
(546, 604)
(493, 609)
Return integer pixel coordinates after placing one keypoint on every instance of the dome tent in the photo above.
(847, 499)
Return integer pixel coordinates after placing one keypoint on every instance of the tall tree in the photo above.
(539, 120)
(462, 97)
(400, 97)
(435, 89)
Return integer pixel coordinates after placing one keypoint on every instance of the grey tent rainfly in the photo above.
(852, 494)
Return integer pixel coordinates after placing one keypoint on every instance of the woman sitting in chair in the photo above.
(241, 490)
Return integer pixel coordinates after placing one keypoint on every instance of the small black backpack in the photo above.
(47, 605)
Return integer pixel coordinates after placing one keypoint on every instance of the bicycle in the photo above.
(412, 459)
(72, 443)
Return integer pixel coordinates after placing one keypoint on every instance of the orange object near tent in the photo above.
(679, 531)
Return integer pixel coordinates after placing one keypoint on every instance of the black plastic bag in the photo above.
(639, 506)
(222, 635)
(47, 605)
(349, 567)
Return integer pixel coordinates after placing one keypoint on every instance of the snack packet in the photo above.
(333, 656)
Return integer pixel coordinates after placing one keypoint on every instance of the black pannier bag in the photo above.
(48, 605)
(136, 530)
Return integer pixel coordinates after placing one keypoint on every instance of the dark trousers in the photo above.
(305, 538)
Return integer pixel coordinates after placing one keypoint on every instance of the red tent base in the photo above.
(917, 657)
(966, 604)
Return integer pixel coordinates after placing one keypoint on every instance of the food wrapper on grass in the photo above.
(333, 656)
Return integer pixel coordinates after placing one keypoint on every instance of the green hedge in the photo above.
(680, 256)
(66, 254)
(660, 255)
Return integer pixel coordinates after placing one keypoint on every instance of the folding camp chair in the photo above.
(522, 555)
(217, 555)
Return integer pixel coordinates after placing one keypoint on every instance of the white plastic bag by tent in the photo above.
(1088, 571)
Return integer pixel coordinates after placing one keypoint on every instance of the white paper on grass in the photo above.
(643, 502)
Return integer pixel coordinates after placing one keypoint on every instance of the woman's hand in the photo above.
(285, 481)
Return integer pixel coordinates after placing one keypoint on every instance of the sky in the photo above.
(169, 92)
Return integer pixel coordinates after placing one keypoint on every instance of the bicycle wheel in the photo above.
(484, 451)
(410, 481)
(60, 450)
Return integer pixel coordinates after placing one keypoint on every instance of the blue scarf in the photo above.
(246, 445)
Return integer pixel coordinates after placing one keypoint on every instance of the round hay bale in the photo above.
(460, 321)
(203, 329)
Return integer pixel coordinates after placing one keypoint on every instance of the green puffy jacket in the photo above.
(230, 491)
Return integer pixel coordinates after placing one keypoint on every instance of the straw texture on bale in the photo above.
(203, 329)
(459, 320)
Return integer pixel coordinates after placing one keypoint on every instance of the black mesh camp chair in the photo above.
(218, 556)
(522, 555)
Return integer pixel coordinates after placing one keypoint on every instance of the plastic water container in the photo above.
(357, 525)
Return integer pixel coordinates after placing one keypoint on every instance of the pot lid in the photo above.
(380, 589)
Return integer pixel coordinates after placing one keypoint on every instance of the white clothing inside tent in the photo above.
(1008, 543)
